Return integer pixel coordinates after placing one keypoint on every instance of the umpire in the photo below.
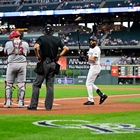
(46, 50)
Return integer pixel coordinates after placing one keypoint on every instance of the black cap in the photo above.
(48, 29)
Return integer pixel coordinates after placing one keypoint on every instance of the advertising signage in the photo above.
(74, 63)
(70, 11)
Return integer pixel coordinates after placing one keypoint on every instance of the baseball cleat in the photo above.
(7, 104)
(88, 103)
(20, 104)
(31, 108)
(103, 98)
(48, 109)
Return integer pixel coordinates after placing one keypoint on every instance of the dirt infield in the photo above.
(75, 106)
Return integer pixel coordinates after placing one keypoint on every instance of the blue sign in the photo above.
(64, 81)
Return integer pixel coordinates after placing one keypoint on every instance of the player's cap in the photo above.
(14, 33)
(48, 29)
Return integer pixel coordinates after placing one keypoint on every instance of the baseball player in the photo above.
(95, 68)
(17, 50)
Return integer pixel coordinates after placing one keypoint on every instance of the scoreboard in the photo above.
(126, 71)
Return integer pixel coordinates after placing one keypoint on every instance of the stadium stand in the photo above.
(8, 8)
(34, 5)
(68, 33)
(38, 7)
(121, 3)
(124, 37)
(82, 4)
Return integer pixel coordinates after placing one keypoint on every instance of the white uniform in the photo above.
(94, 70)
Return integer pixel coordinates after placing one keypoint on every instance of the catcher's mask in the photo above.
(14, 33)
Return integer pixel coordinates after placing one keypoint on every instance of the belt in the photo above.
(49, 60)
(94, 64)
(16, 62)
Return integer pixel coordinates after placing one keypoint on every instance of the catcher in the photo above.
(17, 50)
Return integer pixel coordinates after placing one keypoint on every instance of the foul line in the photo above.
(112, 96)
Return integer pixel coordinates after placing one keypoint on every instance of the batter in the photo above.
(95, 68)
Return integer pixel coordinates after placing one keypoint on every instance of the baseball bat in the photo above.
(78, 39)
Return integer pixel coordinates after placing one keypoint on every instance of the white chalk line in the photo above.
(112, 96)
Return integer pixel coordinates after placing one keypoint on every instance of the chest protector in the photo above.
(18, 50)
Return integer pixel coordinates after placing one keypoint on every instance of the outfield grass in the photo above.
(67, 91)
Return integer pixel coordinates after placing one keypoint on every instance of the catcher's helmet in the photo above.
(14, 33)
(48, 29)
(93, 38)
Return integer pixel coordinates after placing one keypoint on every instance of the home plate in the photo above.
(56, 104)
(53, 103)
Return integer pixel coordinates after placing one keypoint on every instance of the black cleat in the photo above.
(48, 109)
(31, 108)
(103, 98)
(88, 103)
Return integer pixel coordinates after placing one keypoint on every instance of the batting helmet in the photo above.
(14, 33)
(48, 29)
(93, 38)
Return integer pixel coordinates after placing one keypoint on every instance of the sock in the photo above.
(99, 92)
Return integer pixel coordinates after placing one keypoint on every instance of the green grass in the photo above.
(62, 91)
(136, 100)
(21, 127)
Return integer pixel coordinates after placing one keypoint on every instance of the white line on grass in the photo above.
(112, 96)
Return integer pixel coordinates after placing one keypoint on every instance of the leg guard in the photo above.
(8, 91)
(21, 91)
(21, 94)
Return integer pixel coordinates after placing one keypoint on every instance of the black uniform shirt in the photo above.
(49, 46)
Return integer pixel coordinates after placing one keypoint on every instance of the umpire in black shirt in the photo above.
(46, 50)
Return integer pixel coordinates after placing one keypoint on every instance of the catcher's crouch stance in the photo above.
(17, 50)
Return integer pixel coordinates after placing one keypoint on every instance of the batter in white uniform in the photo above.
(95, 68)
(17, 50)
